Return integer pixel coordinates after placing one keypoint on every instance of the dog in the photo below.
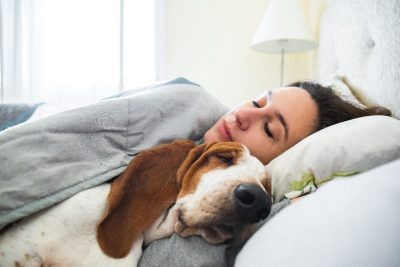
(217, 191)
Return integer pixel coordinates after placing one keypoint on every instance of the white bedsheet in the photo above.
(347, 222)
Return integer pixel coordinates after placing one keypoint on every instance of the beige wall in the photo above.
(208, 42)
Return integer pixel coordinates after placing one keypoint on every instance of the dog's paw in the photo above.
(216, 234)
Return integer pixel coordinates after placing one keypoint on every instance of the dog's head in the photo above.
(219, 190)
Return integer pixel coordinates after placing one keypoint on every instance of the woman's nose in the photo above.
(245, 116)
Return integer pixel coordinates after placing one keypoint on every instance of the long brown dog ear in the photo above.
(138, 197)
(193, 155)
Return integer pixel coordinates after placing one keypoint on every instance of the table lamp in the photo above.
(283, 29)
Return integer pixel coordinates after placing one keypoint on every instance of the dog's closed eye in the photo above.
(228, 160)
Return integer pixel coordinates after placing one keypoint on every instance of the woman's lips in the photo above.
(226, 133)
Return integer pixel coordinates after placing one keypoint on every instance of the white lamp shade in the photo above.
(283, 26)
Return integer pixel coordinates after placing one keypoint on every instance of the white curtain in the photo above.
(74, 52)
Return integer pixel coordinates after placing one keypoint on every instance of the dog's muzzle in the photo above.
(252, 203)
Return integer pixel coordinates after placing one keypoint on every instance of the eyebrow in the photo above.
(280, 117)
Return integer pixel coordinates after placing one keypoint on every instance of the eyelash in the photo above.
(267, 131)
(256, 104)
(266, 128)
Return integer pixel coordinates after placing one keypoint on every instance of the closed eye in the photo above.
(256, 104)
(228, 161)
(267, 131)
(266, 127)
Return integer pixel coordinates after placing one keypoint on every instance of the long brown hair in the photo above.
(332, 108)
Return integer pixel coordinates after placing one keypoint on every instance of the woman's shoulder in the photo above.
(180, 86)
(178, 91)
(171, 86)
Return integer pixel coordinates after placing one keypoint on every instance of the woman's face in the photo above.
(269, 125)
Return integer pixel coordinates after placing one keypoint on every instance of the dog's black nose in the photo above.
(252, 203)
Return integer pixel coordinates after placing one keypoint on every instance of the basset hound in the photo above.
(217, 191)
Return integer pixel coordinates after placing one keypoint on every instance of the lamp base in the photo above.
(282, 64)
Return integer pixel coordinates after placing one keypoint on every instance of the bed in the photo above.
(354, 219)
(350, 220)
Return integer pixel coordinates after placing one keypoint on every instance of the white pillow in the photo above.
(349, 222)
(343, 149)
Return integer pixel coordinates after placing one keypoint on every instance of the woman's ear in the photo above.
(139, 195)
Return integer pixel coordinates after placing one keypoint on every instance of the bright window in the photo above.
(74, 52)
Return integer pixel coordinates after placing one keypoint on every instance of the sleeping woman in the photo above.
(49, 160)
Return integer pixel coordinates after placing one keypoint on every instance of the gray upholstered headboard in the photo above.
(360, 40)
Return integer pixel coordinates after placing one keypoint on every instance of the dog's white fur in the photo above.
(65, 234)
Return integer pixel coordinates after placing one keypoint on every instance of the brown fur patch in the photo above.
(138, 197)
